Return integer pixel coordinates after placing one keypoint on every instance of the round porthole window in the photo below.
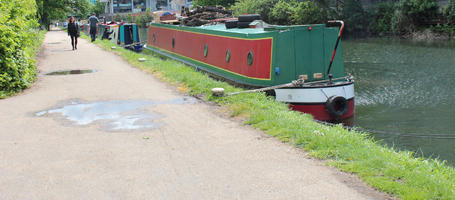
(228, 55)
(153, 37)
(250, 58)
(206, 50)
(173, 42)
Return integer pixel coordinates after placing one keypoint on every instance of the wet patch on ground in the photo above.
(114, 115)
(54, 43)
(70, 72)
(59, 50)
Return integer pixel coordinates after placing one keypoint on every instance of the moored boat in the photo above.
(262, 57)
(126, 35)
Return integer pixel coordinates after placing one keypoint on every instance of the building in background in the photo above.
(135, 6)
(93, 1)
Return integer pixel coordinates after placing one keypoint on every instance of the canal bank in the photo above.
(405, 93)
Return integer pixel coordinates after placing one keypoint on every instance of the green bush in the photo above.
(308, 13)
(262, 7)
(445, 28)
(410, 14)
(118, 17)
(18, 34)
(129, 18)
(225, 3)
(282, 12)
(355, 18)
(401, 23)
(144, 18)
(381, 18)
(449, 12)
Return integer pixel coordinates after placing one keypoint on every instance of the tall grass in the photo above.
(400, 173)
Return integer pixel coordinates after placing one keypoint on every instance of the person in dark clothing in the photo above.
(73, 31)
(93, 20)
(107, 34)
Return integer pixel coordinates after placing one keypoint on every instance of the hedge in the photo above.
(18, 37)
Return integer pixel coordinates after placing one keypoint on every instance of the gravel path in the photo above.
(119, 133)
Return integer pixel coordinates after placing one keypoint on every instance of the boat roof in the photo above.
(222, 27)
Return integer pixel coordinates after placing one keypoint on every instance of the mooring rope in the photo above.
(297, 83)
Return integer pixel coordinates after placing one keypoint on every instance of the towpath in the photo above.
(119, 133)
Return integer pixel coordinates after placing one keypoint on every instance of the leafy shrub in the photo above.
(308, 13)
(262, 7)
(381, 17)
(449, 12)
(282, 12)
(17, 35)
(354, 16)
(118, 17)
(410, 14)
(144, 18)
(445, 28)
(225, 3)
(129, 18)
(401, 23)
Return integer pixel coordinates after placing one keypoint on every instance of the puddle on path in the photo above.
(59, 50)
(54, 42)
(69, 72)
(112, 115)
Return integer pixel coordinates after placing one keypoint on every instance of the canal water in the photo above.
(405, 93)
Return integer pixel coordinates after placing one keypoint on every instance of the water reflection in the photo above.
(112, 115)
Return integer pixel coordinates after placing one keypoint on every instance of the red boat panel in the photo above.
(191, 45)
(320, 113)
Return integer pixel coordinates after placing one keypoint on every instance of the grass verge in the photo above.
(399, 173)
(34, 49)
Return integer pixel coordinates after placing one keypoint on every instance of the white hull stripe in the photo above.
(314, 95)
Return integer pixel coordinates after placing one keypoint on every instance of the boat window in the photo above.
(206, 50)
(250, 58)
(228, 55)
(173, 42)
(154, 38)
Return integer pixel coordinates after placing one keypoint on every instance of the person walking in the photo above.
(93, 21)
(73, 31)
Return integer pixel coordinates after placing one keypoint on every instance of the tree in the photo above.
(99, 8)
(224, 3)
(81, 8)
(354, 16)
(59, 9)
(51, 9)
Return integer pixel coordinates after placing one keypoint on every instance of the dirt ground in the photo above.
(119, 133)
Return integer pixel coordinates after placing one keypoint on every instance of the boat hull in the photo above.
(316, 100)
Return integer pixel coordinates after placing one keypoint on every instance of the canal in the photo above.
(405, 93)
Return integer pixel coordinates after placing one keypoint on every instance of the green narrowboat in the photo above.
(262, 57)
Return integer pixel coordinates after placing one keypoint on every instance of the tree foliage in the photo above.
(98, 8)
(381, 17)
(225, 3)
(449, 12)
(410, 14)
(52, 9)
(354, 16)
(18, 31)
(144, 18)
(80, 8)
(283, 12)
